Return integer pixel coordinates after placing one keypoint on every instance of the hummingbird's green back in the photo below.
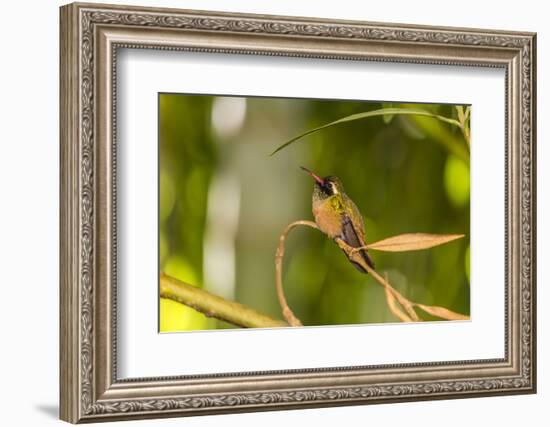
(338, 216)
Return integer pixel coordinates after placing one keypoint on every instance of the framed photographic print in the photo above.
(263, 212)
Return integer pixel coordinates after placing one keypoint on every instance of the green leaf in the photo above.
(374, 113)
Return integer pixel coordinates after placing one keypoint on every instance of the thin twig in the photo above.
(392, 303)
(240, 315)
(442, 312)
(215, 306)
(392, 295)
(279, 255)
(354, 254)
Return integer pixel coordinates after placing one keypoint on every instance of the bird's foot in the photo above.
(353, 251)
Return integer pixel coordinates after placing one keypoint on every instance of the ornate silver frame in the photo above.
(90, 36)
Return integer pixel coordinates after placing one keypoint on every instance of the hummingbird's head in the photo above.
(327, 186)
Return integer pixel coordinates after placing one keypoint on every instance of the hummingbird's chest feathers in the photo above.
(328, 215)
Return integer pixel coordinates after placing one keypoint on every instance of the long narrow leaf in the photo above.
(413, 242)
(360, 116)
(442, 312)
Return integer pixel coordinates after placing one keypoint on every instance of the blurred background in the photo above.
(224, 203)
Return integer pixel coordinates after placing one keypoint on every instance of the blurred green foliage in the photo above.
(224, 202)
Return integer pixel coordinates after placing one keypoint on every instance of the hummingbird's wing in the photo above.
(353, 229)
(356, 219)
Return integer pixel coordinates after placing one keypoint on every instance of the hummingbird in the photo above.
(337, 216)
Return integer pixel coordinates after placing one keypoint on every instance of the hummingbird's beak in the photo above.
(319, 180)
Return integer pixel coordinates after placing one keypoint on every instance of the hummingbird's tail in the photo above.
(368, 260)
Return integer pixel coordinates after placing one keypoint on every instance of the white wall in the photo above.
(29, 169)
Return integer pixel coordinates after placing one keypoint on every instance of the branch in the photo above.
(398, 243)
(214, 306)
(442, 312)
(392, 304)
(287, 312)
(237, 314)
